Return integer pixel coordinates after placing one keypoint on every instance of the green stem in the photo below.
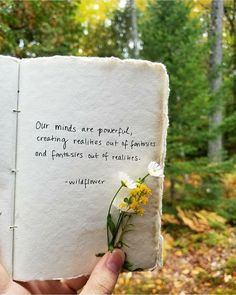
(124, 227)
(142, 179)
(109, 211)
(117, 227)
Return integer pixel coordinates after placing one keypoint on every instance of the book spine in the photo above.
(13, 227)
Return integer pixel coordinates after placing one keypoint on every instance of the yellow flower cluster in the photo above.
(137, 196)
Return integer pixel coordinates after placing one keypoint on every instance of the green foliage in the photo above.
(169, 35)
(199, 185)
(109, 37)
(171, 32)
(228, 210)
(213, 239)
(231, 264)
(38, 28)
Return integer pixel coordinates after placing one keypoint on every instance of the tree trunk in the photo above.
(215, 144)
(134, 28)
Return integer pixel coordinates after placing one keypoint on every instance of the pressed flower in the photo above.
(134, 204)
(120, 204)
(134, 192)
(144, 189)
(131, 201)
(141, 211)
(126, 180)
(154, 169)
(123, 205)
(141, 190)
(143, 200)
(137, 197)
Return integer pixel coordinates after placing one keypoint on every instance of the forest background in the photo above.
(196, 41)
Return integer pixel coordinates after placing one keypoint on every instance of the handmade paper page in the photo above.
(82, 121)
(8, 106)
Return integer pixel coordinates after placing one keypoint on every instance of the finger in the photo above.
(54, 286)
(7, 286)
(105, 274)
(46, 287)
(5, 280)
(75, 284)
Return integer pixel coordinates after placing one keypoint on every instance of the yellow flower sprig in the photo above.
(138, 196)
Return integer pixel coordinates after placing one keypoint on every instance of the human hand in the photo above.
(101, 281)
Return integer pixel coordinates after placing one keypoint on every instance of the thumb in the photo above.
(105, 274)
(5, 280)
(8, 287)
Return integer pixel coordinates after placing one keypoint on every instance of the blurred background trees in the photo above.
(193, 40)
(38, 28)
(200, 55)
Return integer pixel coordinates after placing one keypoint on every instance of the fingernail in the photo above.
(115, 260)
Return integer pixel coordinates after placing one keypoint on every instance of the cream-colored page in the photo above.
(82, 121)
(8, 103)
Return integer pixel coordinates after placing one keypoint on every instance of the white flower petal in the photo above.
(120, 200)
(154, 169)
(127, 181)
(127, 210)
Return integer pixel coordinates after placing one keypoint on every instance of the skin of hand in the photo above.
(101, 281)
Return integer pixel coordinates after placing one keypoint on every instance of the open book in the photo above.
(68, 126)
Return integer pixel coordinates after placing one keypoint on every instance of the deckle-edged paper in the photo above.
(81, 121)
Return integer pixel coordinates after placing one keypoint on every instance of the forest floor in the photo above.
(199, 258)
